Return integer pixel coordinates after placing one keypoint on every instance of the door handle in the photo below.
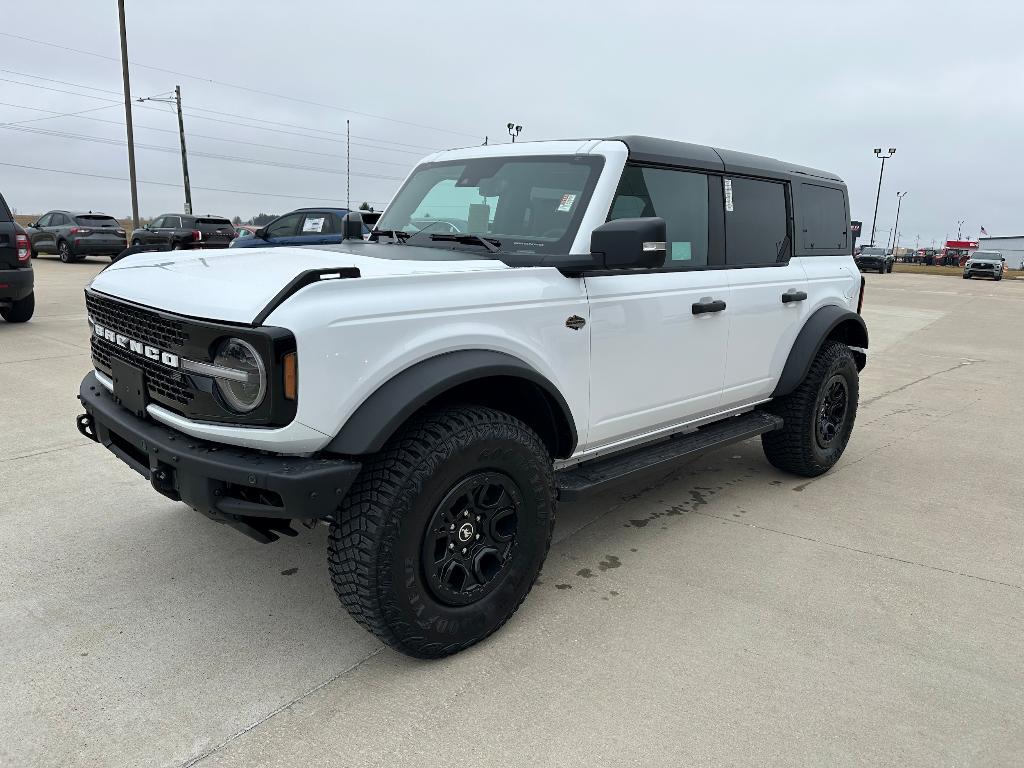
(793, 295)
(701, 307)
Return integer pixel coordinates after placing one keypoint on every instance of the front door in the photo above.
(657, 357)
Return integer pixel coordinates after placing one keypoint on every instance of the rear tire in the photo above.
(818, 415)
(445, 530)
(64, 251)
(20, 311)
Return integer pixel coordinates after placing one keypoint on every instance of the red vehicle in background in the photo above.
(956, 253)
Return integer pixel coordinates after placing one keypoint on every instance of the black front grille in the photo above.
(162, 383)
(140, 324)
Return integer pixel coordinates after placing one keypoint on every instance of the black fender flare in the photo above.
(391, 405)
(830, 321)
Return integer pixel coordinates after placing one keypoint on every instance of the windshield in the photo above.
(523, 205)
(872, 252)
(987, 256)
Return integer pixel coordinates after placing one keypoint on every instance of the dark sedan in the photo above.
(75, 235)
(180, 231)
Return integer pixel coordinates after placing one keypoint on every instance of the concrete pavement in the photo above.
(724, 614)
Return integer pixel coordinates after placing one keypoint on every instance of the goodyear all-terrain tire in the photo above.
(19, 311)
(818, 415)
(445, 530)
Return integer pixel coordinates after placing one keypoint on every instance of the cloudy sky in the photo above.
(818, 83)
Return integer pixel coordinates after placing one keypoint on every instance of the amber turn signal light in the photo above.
(291, 376)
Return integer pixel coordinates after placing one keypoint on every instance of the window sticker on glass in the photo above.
(566, 202)
(313, 225)
(728, 194)
(681, 251)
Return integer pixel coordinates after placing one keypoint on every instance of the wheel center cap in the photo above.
(466, 532)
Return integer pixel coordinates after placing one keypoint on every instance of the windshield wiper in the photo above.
(489, 243)
(395, 234)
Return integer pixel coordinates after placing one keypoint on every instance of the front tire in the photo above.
(20, 311)
(818, 415)
(444, 532)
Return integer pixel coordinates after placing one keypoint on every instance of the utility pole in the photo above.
(348, 165)
(184, 154)
(883, 158)
(895, 227)
(128, 115)
(181, 136)
(959, 225)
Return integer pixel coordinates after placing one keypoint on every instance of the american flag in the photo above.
(984, 232)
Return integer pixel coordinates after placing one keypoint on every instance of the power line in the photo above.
(240, 87)
(172, 184)
(152, 147)
(55, 114)
(260, 127)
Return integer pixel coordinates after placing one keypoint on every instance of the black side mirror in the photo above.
(261, 233)
(630, 243)
(352, 226)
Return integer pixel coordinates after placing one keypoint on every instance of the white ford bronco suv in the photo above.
(527, 323)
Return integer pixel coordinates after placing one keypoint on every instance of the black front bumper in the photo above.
(256, 492)
(15, 284)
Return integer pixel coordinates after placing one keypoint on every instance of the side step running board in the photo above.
(597, 474)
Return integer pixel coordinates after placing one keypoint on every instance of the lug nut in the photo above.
(478, 537)
(478, 518)
(465, 513)
(451, 527)
(463, 550)
(451, 546)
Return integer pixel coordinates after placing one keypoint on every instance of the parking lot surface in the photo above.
(723, 614)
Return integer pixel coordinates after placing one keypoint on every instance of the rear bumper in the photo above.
(247, 489)
(15, 284)
(107, 248)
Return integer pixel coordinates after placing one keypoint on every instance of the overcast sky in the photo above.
(817, 83)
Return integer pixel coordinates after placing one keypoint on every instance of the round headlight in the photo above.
(245, 391)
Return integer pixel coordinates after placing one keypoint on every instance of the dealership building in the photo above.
(1012, 249)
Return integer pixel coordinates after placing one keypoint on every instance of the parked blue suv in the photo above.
(306, 226)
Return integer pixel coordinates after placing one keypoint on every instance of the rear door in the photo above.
(769, 287)
(8, 241)
(317, 227)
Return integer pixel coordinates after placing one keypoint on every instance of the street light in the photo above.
(513, 131)
(959, 225)
(883, 158)
(895, 227)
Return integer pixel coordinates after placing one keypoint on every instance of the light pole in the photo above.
(176, 100)
(513, 131)
(883, 158)
(959, 225)
(896, 226)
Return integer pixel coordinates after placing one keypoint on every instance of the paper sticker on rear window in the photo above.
(728, 195)
(313, 225)
(566, 203)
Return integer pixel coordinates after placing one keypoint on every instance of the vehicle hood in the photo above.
(984, 260)
(235, 285)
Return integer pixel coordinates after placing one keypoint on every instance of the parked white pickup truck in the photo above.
(528, 322)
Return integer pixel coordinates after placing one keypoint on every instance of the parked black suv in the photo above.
(180, 231)
(75, 235)
(877, 259)
(17, 299)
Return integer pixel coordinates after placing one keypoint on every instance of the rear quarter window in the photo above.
(823, 220)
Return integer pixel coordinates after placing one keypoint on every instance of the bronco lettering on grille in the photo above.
(144, 350)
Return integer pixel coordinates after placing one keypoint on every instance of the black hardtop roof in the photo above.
(646, 149)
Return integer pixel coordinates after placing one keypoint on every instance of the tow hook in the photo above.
(86, 426)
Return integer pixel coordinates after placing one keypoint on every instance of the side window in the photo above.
(680, 198)
(59, 220)
(822, 218)
(45, 221)
(172, 222)
(318, 223)
(284, 227)
(156, 223)
(755, 222)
